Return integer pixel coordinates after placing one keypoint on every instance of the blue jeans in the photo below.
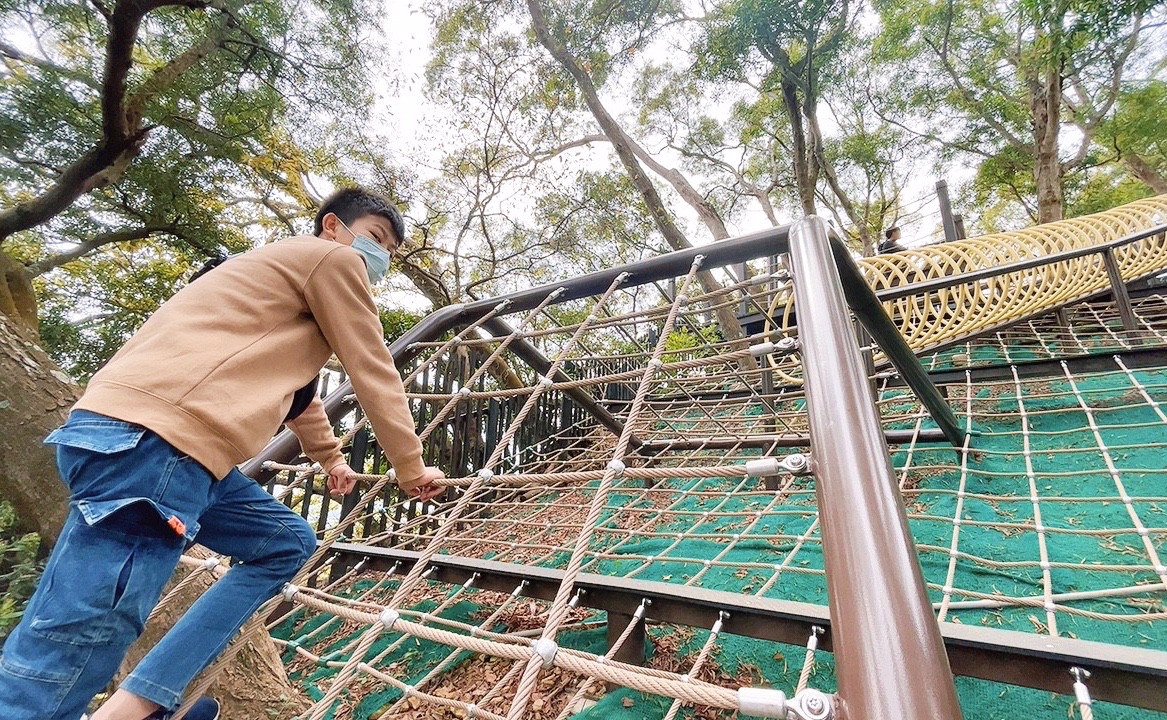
(136, 502)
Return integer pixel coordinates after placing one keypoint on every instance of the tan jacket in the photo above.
(213, 371)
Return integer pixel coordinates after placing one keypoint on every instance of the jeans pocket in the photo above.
(105, 436)
(82, 586)
(55, 663)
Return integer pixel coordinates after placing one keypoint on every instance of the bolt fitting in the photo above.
(811, 704)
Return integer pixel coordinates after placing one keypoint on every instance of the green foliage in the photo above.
(798, 55)
(396, 321)
(229, 144)
(1105, 189)
(1003, 182)
(748, 37)
(1136, 128)
(598, 221)
(686, 344)
(606, 35)
(89, 309)
(19, 569)
(970, 77)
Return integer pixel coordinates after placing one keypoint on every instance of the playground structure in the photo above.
(971, 432)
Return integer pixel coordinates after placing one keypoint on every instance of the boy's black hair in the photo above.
(890, 231)
(349, 204)
(212, 262)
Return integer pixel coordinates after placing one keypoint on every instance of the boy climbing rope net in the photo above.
(150, 452)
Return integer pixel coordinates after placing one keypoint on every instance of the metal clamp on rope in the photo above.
(762, 702)
(762, 349)
(388, 618)
(762, 467)
(210, 563)
(546, 649)
(795, 464)
(485, 474)
(289, 592)
(1081, 692)
(617, 467)
(787, 344)
(812, 643)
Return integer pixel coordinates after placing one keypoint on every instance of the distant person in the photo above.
(150, 452)
(891, 241)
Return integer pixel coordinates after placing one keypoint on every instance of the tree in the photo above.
(742, 158)
(1135, 133)
(623, 144)
(123, 120)
(792, 47)
(801, 63)
(1010, 73)
(725, 154)
(35, 396)
(512, 200)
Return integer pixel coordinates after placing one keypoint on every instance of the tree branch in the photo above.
(98, 241)
(942, 54)
(164, 77)
(122, 136)
(541, 155)
(623, 144)
(14, 53)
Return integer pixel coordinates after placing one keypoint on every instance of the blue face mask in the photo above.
(376, 257)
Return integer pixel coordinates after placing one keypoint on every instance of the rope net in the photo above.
(632, 458)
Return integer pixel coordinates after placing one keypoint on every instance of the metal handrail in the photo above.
(879, 606)
(764, 243)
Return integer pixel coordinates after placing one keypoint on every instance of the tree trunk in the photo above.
(803, 173)
(622, 144)
(1046, 102)
(35, 397)
(822, 163)
(17, 299)
(255, 685)
(866, 243)
(685, 189)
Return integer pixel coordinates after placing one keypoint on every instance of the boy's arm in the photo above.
(337, 293)
(316, 437)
